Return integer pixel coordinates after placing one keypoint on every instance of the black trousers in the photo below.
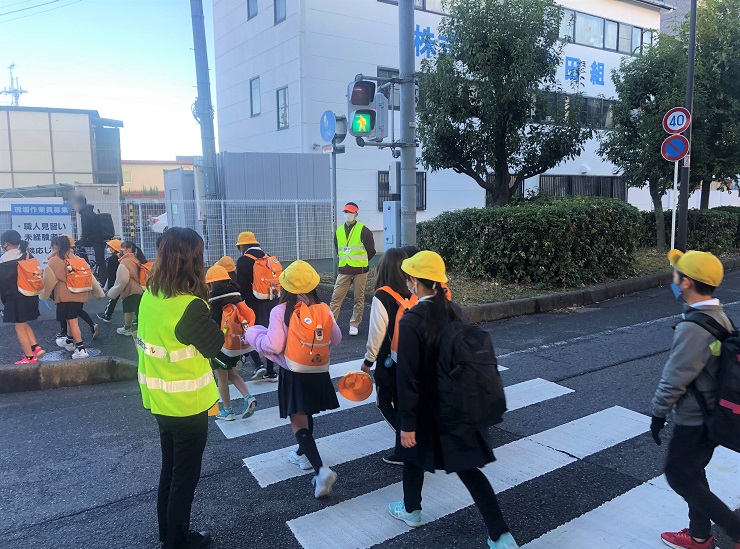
(689, 454)
(108, 313)
(387, 403)
(183, 441)
(476, 483)
(101, 270)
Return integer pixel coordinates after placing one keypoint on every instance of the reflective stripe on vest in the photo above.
(175, 379)
(350, 250)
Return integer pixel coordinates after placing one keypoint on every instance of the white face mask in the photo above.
(411, 286)
(349, 217)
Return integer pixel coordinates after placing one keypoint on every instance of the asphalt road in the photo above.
(80, 466)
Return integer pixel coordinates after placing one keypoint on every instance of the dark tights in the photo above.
(476, 483)
(300, 451)
(307, 445)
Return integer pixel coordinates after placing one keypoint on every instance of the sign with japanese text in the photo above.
(38, 224)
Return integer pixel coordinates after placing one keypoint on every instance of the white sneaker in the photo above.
(125, 331)
(61, 342)
(71, 347)
(300, 461)
(324, 482)
(353, 331)
(80, 353)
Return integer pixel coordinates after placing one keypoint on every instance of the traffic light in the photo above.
(367, 111)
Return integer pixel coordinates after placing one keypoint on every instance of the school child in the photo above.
(234, 317)
(61, 337)
(21, 280)
(227, 263)
(392, 298)
(128, 284)
(300, 334)
(424, 445)
(71, 280)
(689, 389)
(246, 266)
(114, 251)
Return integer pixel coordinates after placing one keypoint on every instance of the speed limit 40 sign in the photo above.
(677, 120)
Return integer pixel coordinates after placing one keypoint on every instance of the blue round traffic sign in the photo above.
(328, 126)
(674, 148)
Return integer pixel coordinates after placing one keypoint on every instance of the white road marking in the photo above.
(638, 517)
(272, 467)
(344, 525)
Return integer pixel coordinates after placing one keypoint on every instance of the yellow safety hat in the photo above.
(246, 238)
(227, 263)
(426, 265)
(299, 278)
(216, 273)
(115, 244)
(71, 240)
(701, 266)
(355, 386)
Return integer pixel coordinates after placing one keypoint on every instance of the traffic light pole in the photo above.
(683, 208)
(407, 72)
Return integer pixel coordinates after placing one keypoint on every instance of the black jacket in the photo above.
(223, 293)
(111, 265)
(90, 225)
(418, 405)
(244, 278)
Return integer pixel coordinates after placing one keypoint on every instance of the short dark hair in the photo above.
(80, 199)
(352, 204)
(702, 288)
(411, 251)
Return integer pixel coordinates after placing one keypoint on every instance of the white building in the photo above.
(281, 63)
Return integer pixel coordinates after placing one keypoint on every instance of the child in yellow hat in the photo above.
(687, 387)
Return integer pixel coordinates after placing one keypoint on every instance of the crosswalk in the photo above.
(629, 520)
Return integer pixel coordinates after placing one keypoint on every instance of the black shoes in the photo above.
(392, 459)
(195, 540)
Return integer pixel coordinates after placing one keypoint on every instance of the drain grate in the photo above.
(54, 356)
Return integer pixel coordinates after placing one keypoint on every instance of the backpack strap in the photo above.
(716, 329)
(395, 295)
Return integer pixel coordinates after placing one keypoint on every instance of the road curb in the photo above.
(65, 373)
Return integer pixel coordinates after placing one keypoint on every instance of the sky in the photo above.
(130, 60)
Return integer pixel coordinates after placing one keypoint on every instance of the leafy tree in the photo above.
(647, 86)
(481, 89)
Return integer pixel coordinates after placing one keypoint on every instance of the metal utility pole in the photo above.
(203, 108)
(407, 72)
(683, 208)
(14, 91)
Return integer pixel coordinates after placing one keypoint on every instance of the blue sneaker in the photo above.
(250, 403)
(398, 511)
(227, 414)
(506, 541)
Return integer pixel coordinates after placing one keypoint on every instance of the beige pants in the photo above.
(341, 288)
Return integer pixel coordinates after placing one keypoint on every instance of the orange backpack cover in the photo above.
(30, 276)
(404, 304)
(309, 338)
(79, 275)
(266, 277)
(144, 270)
(233, 318)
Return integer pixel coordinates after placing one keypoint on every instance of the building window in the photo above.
(255, 102)
(251, 8)
(647, 40)
(384, 192)
(625, 38)
(434, 6)
(584, 185)
(567, 25)
(636, 40)
(282, 108)
(589, 30)
(384, 72)
(279, 11)
(552, 108)
(611, 35)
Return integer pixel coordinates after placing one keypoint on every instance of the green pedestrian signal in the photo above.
(363, 122)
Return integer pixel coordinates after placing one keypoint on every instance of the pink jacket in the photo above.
(271, 341)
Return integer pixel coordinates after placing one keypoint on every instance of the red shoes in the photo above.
(683, 540)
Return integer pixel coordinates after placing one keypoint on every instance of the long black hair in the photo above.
(63, 246)
(442, 313)
(390, 273)
(128, 245)
(14, 239)
(291, 300)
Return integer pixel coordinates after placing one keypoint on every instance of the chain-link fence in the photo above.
(288, 229)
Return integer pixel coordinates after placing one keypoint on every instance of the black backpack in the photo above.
(107, 229)
(469, 387)
(723, 421)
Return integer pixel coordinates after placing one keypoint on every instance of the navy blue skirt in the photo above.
(306, 393)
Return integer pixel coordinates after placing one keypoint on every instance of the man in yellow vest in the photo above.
(355, 248)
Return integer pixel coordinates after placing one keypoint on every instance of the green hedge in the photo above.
(716, 230)
(566, 241)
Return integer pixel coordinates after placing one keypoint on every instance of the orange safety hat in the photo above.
(227, 263)
(351, 207)
(115, 244)
(216, 273)
(356, 386)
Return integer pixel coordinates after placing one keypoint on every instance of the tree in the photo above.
(647, 86)
(481, 88)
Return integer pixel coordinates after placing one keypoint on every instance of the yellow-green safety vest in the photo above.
(175, 379)
(350, 250)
